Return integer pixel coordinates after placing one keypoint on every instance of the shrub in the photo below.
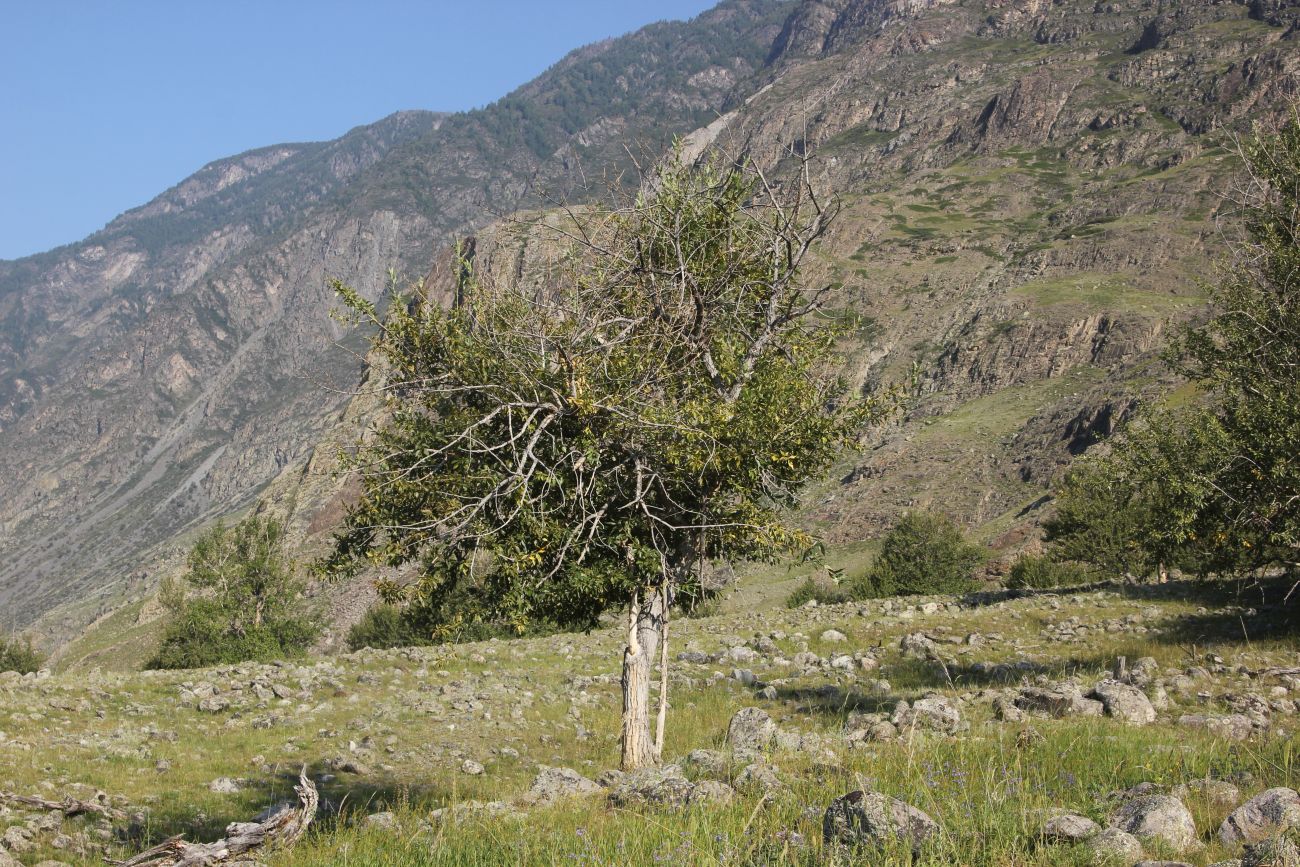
(246, 601)
(19, 656)
(824, 592)
(1041, 573)
(383, 626)
(923, 554)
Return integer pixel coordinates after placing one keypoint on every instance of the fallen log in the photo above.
(68, 806)
(243, 840)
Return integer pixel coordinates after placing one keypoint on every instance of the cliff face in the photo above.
(1029, 189)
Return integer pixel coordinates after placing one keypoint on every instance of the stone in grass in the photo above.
(751, 730)
(834, 636)
(1112, 846)
(7, 860)
(1216, 793)
(224, 786)
(1157, 817)
(1263, 816)
(471, 767)
(1069, 828)
(873, 819)
(759, 777)
(554, 784)
(1275, 852)
(709, 792)
(1125, 702)
(383, 821)
(1162, 864)
(708, 763)
(664, 787)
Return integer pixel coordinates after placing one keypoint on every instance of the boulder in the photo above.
(664, 787)
(1069, 828)
(1232, 727)
(872, 819)
(1124, 701)
(1157, 817)
(1059, 701)
(933, 712)
(1263, 816)
(1111, 846)
(1274, 852)
(554, 784)
(751, 730)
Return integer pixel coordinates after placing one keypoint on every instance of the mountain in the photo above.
(164, 370)
(1029, 189)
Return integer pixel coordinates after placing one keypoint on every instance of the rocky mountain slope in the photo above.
(1030, 193)
(163, 371)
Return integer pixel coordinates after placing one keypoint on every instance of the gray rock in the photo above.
(1069, 828)
(873, 819)
(751, 730)
(471, 767)
(7, 860)
(665, 787)
(1263, 816)
(1275, 852)
(709, 792)
(1126, 702)
(1061, 701)
(834, 636)
(554, 784)
(759, 777)
(1217, 793)
(1233, 727)
(1111, 846)
(385, 821)
(710, 763)
(1157, 817)
(224, 786)
(213, 704)
(933, 712)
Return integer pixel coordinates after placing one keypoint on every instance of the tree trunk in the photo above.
(645, 625)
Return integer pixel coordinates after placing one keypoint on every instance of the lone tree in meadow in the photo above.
(555, 453)
(1215, 486)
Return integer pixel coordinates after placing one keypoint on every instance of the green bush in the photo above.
(246, 604)
(383, 626)
(924, 554)
(19, 656)
(824, 592)
(1041, 573)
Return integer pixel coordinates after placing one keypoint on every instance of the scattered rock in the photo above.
(1126, 702)
(1274, 852)
(1111, 846)
(1233, 727)
(870, 818)
(1069, 828)
(1263, 816)
(751, 730)
(834, 636)
(225, 786)
(1157, 817)
(471, 767)
(554, 784)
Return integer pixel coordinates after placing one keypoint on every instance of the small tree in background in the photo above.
(1215, 487)
(555, 453)
(246, 604)
(924, 554)
(18, 655)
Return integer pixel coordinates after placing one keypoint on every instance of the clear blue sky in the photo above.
(105, 104)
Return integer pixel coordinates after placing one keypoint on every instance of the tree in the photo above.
(923, 553)
(554, 453)
(246, 604)
(19, 655)
(1215, 486)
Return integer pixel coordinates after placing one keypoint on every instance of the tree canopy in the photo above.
(1214, 486)
(552, 452)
